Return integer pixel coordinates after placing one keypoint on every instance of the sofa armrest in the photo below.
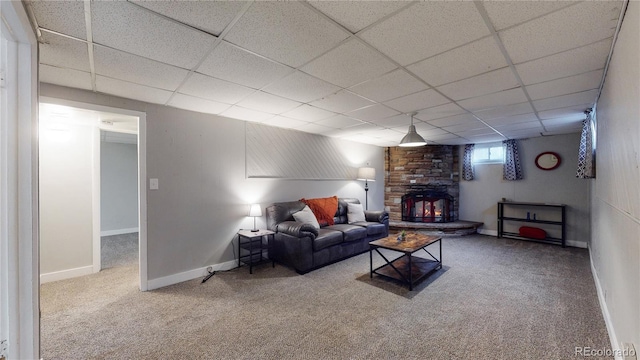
(380, 216)
(297, 229)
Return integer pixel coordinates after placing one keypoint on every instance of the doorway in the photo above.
(71, 142)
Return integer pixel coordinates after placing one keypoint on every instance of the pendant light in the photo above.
(412, 139)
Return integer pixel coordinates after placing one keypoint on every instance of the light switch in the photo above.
(153, 184)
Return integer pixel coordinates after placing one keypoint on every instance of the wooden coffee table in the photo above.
(407, 268)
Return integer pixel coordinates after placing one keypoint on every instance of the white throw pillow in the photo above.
(306, 216)
(355, 213)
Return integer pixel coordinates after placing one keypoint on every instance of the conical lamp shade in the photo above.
(412, 138)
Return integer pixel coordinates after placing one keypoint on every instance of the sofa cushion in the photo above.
(373, 228)
(323, 208)
(326, 237)
(306, 216)
(343, 208)
(355, 213)
(351, 232)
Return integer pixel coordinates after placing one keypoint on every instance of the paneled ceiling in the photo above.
(472, 71)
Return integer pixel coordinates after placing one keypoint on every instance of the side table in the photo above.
(251, 247)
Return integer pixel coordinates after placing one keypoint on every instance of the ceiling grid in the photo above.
(345, 69)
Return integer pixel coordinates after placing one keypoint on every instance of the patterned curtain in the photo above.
(512, 170)
(467, 166)
(586, 168)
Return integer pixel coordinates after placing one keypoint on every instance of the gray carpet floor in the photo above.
(494, 299)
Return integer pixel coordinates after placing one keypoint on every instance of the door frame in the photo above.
(19, 238)
(142, 184)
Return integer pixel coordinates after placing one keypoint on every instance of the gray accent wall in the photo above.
(118, 186)
(615, 244)
(479, 197)
(203, 195)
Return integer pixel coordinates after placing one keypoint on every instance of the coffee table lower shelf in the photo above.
(420, 267)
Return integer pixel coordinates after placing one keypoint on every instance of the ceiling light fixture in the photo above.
(412, 139)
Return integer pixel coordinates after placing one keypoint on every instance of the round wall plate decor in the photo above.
(548, 160)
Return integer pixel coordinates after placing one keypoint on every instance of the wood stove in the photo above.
(431, 204)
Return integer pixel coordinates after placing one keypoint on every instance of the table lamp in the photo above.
(255, 211)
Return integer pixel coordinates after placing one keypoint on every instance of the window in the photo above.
(491, 153)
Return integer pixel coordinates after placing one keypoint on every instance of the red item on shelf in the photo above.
(532, 232)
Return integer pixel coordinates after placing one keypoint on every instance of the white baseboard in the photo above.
(66, 274)
(118, 231)
(188, 275)
(617, 350)
(487, 232)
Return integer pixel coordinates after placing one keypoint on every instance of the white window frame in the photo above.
(488, 146)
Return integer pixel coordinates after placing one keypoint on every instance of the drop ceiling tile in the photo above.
(487, 83)
(387, 134)
(486, 138)
(422, 127)
(568, 85)
(520, 126)
(284, 122)
(418, 101)
(132, 91)
(390, 86)
(512, 120)
(362, 139)
(573, 112)
(301, 87)
(453, 120)
(428, 133)
(373, 112)
(564, 121)
(265, 102)
(401, 120)
(456, 141)
(241, 113)
(286, 31)
(59, 51)
(210, 16)
(65, 77)
(523, 134)
(585, 97)
(139, 70)
(573, 62)
(339, 122)
(509, 110)
(349, 64)
(214, 89)
(504, 14)
(309, 113)
(571, 27)
(473, 125)
(438, 112)
(441, 138)
(314, 128)
(356, 15)
(231, 63)
(426, 29)
(565, 129)
(502, 98)
(65, 17)
(342, 102)
(358, 129)
(469, 134)
(197, 104)
(466, 61)
(125, 26)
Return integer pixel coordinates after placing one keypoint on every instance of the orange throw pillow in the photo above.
(323, 208)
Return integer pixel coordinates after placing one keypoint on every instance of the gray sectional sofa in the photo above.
(305, 248)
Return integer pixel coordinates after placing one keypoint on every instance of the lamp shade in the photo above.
(367, 173)
(255, 210)
(412, 138)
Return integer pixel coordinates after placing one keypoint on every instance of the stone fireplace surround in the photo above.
(409, 169)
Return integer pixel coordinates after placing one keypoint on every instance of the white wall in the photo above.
(478, 198)
(615, 244)
(66, 229)
(118, 188)
(203, 194)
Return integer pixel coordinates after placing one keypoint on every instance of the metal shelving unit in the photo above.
(549, 239)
